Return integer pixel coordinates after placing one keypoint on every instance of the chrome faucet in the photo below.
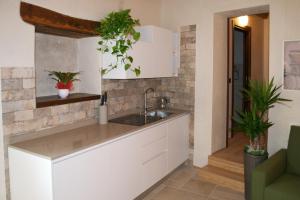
(145, 99)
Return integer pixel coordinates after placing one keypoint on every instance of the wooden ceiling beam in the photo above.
(51, 22)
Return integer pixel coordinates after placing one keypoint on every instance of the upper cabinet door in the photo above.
(157, 54)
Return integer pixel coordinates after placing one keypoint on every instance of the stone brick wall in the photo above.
(126, 95)
(20, 115)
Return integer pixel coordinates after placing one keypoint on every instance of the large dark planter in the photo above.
(250, 162)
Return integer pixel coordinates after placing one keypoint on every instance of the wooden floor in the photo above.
(225, 167)
(235, 150)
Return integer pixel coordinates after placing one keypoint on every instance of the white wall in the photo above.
(17, 37)
(284, 16)
(219, 110)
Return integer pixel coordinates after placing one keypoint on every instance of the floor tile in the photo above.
(154, 192)
(222, 193)
(185, 184)
(180, 177)
(169, 193)
(199, 187)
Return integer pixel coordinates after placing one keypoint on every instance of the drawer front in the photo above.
(154, 149)
(153, 134)
(154, 170)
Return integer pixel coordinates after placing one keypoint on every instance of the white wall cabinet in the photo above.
(122, 169)
(157, 53)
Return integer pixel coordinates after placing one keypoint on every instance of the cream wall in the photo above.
(284, 16)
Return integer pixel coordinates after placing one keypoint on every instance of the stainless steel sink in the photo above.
(141, 119)
(159, 113)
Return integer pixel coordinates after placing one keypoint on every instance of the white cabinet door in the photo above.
(84, 176)
(153, 147)
(30, 176)
(156, 53)
(126, 169)
(178, 141)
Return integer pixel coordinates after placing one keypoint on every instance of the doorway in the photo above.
(247, 60)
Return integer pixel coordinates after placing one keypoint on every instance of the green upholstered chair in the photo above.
(278, 178)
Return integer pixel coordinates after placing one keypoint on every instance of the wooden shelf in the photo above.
(54, 100)
(51, 22)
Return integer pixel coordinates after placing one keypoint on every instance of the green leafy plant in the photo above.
(254, 122)
(64, 79)
(117, 35)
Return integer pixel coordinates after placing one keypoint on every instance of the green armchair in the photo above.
(278, 178)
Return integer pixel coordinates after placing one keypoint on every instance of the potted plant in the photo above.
(64, 82)
(254, 123)
(117, 35)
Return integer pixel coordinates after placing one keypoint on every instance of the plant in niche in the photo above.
(117, 35)
(64, 81)
(254, 122)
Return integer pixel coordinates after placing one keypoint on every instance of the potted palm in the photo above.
(254, 123)
(64, 82)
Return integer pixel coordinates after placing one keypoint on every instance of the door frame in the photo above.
(247, 75)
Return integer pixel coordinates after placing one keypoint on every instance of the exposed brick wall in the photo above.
(20, 115)
(124, 95)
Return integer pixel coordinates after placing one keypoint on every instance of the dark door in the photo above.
(240, 69)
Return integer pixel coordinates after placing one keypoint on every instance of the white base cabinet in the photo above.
(178, 142)
(122, 169)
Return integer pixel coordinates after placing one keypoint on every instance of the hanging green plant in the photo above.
(117, 35)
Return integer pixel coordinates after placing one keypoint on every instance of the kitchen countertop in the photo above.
(64, 143)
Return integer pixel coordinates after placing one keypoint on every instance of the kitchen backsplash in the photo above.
(124, 95)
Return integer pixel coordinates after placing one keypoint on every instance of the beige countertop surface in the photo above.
(64, 143)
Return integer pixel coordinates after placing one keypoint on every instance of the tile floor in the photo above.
(184, 184)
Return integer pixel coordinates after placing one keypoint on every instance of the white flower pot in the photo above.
(63, 93)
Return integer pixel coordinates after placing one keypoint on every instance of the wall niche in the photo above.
(63, 43)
